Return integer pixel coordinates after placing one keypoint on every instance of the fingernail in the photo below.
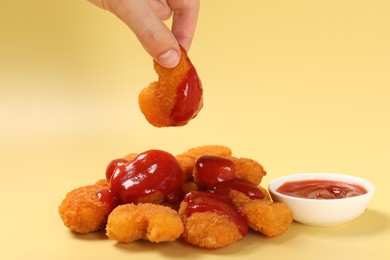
(169, 59)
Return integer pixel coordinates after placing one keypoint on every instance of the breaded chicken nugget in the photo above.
(210, 230)
(103, 183)
(155, 223)
(269, 218)
(190, 186)
(211, 221)
(156, 198)
(86, 209)
(248, 169)
(187, 159)
(175, 98)
(217, 150)
(187, 163)
(265, 191)
(129, 157)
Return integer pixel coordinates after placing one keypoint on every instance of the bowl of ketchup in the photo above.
(323, 199)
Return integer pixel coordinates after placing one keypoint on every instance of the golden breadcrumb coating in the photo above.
(187, 164)
(189, 186)
(248, 169)
(82, 212)
(217, 150)
(269, 218)
(209, 230)
(155, 197)
(155, 223)
(129, 157)
(103, 183)
(265, 191)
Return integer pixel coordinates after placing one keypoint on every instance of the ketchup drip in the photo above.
(243, 186)
(106, 197)
(151, 171)
(201, 201)
(112, 166)
(189, 99)
(218, 175)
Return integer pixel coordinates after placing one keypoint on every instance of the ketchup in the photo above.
(217, 174)
(189, 99)
(321, 189)
(212, 170)
(158, 171)
(106, 197)
(149, 172)
(202, 201)
(111, 167)
(243, 186)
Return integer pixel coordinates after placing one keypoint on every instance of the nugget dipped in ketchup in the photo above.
(153, 176)
(177, 96)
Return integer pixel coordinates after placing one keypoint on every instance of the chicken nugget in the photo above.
(187, 163)
(129, 157)
(102, 183)
(175, 98)
(210, 230)
(189, 186)
(156, 197)
(155, 223)
(211, 221)
(249, 170)
(217, 150)
(86, 209)
(269, 218)
(265, 191)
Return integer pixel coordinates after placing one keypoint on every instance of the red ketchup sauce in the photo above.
(189, 99)
(212, 170)
(149, 172)
(321, 189)
(201, 201)
(243, 186)
(112, 166)
(106, 197)
(217, 174)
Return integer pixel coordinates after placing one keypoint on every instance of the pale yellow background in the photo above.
(297, 85)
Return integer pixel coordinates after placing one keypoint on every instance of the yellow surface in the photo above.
(297, 85)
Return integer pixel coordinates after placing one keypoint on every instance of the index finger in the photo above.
(185, 16)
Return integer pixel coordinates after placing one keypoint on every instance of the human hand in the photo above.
(145, 18)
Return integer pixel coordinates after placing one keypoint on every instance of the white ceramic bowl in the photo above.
(324, 212)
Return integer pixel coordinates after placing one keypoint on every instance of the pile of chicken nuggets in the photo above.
(215, 220)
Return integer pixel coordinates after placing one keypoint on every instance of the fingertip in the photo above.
(185, 43)
(169, 59)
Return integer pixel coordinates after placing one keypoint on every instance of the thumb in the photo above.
(153, 34)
